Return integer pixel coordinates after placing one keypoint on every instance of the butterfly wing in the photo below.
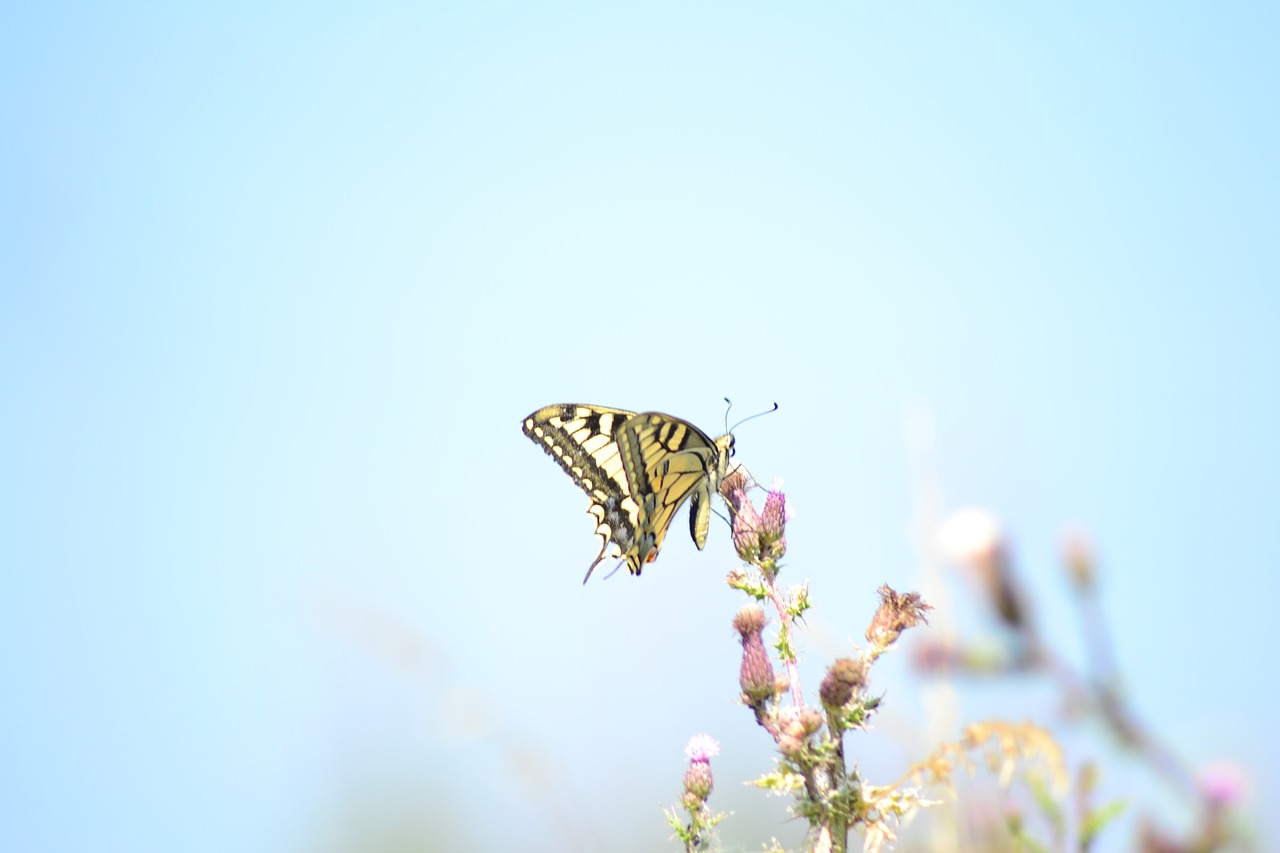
(636, 470)
(580, 439)
(668, 461)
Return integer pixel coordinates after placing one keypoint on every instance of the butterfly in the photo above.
(637, 469)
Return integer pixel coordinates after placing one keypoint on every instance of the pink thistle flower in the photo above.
(702, 748)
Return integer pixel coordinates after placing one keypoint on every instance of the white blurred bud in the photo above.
(972, 537)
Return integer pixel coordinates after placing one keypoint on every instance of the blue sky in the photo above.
(277, 286)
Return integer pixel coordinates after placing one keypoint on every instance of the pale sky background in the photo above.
(279, 572)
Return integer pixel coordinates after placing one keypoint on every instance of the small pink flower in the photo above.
(1224, 783)
(701, 748)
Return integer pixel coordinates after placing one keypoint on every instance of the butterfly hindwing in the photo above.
(580, 439)
(669, 460)
(637, 469)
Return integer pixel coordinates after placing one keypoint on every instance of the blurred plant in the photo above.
(828, 791)
(974, 539)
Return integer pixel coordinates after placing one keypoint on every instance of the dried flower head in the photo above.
(897, 613)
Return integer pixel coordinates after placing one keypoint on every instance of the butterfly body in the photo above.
(637, 469)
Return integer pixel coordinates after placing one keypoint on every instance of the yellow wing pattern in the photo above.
(637, 469)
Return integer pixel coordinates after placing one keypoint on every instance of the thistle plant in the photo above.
(695, 830)
(826, 790)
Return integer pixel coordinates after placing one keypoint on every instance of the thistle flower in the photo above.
(698, 781)
(701, 748)
(1224, 784)
(750, 538)
(756, 673)
(897, 613)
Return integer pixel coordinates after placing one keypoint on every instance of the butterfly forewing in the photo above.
(637, 469)
(580, 439)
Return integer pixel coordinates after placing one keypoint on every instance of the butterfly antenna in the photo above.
(726, 414)
(750, 417)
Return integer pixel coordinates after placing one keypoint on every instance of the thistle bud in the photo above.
(790, 746)
(972, 538)
(799, 722)
(844, 677)
(1079, 558)
(773, 520)
(746, 532)
(789, 723)
(810, 721)
(733, 488)
(756, 673)
(698, 781)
